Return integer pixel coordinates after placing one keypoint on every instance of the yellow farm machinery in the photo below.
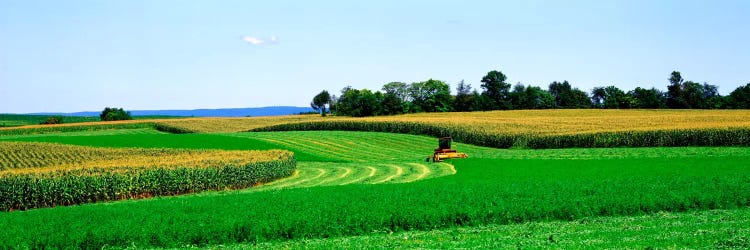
(444, 151)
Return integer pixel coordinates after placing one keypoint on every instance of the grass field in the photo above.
(715, 229)
(370, 184)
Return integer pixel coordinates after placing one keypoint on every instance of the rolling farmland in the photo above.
(353, 188)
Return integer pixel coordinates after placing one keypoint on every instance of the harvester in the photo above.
(444, 151)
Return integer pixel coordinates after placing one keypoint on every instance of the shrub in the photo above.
(53, 120)
(115, 114)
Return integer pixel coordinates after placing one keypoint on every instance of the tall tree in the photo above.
(675, 97)
(561, 92)
(431, 96)
(320, 101)
(496, 89)
(692, 94)
(534, 97)
(400, 91)
(597, 97)
(614, 98)
(518, 96)
(711, 97)
(463, 100)
(567, 97)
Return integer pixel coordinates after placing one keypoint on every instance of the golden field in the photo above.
(516, 122)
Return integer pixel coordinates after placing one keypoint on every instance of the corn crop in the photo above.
(36, 175)
(558, 128)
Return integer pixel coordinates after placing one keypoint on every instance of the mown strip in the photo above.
(655, 138)
(35, 175)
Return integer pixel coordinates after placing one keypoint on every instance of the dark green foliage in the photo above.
(648, 98)
(530, 97)
(357, 103)
(611, 97)
(568, 97)
(675, 96)
(665, 138)
(463, 100)
(114, 114)
(430, 96)
(497, 90)
(58, 119)
(320, 101)
(740, 98)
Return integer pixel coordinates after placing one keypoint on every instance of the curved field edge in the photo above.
(715, 229)
(656, 138)
(36, 175)
(484, 191)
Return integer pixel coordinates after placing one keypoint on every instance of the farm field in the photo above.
(369, 184)
(701, 229)
(499, 129)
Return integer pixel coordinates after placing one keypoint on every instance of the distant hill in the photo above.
(231, 112)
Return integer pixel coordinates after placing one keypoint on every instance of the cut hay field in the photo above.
(353, 187)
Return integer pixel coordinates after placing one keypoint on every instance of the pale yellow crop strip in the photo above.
(516, 122)
(40, 158)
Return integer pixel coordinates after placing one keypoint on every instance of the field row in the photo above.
(42, 175)
(516, 122)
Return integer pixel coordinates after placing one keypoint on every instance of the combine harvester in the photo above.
(444, 151)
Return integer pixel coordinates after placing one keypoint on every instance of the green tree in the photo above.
(535, 98)
(648, 98)
(579, 99)
(496, 89)
(517, 96)
(567, 97)
(114, 114)
(675, 97)
(396, 98)
(711, 97)
(57, 119)
(739, 98)
(615, 98)
(597, 97)
(464, 99)
(320, 101)
(430, 96)
(692, 94)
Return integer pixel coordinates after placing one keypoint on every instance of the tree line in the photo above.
(497, 94)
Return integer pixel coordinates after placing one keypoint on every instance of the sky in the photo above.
(68, 56)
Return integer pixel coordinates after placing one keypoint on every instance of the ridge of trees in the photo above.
(497, 94)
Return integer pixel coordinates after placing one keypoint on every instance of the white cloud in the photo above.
(252, 40)
(257, 41)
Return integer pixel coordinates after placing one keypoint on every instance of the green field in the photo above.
(371, 184)
(14, 120)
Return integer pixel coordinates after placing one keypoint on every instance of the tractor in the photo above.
(444, 151)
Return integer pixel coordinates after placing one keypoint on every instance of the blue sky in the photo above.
(65, 56)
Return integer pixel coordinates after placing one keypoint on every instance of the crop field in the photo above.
(361, 189)
(34, 175)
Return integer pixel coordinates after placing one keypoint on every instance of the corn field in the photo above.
(34, 175)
